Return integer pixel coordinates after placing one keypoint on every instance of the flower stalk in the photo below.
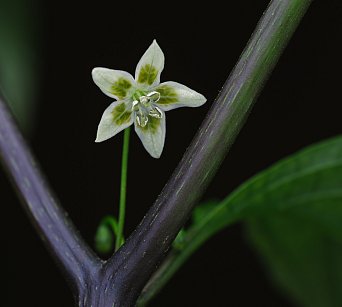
(123, 190)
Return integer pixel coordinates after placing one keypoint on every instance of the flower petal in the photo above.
(114, 83)
(115, 118)
(152, 135)
(150, 66)
(175, 95)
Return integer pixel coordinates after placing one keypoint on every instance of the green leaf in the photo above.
(304, 259)
(179, 242)
(294, 213)
(201, 211)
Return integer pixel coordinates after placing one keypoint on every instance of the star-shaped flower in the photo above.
(142, 101)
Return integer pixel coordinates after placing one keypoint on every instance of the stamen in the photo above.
(155, 96)
(155, 112)
(144, 100)
(144, 107)
(142, 119)
(135, 105)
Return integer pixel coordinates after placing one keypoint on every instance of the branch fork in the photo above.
(120, 280)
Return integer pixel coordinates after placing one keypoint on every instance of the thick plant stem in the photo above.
(149, 243)
(123, 188)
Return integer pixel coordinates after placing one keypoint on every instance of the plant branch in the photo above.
(51, 221)
(148, 244)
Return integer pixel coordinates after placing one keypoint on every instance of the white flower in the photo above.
(142, 101)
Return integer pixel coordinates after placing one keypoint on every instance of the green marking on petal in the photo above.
(137, 94)
(121, 115)
(120, 88)
(152, 125)
(147, 74)
(167, 95)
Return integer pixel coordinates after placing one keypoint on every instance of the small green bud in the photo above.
(104, 239)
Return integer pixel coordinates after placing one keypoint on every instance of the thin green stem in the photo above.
(122, 209)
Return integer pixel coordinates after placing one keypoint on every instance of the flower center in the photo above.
(143, 106)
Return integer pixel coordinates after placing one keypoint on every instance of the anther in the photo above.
(135, 105)
(156, 113)
(155, 96)
(144, 99)
(142, 119)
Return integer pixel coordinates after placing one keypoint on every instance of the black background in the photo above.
(300, 105)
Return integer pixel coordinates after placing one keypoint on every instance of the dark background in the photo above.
(300, 105)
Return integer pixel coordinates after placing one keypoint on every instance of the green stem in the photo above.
(122, 209)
